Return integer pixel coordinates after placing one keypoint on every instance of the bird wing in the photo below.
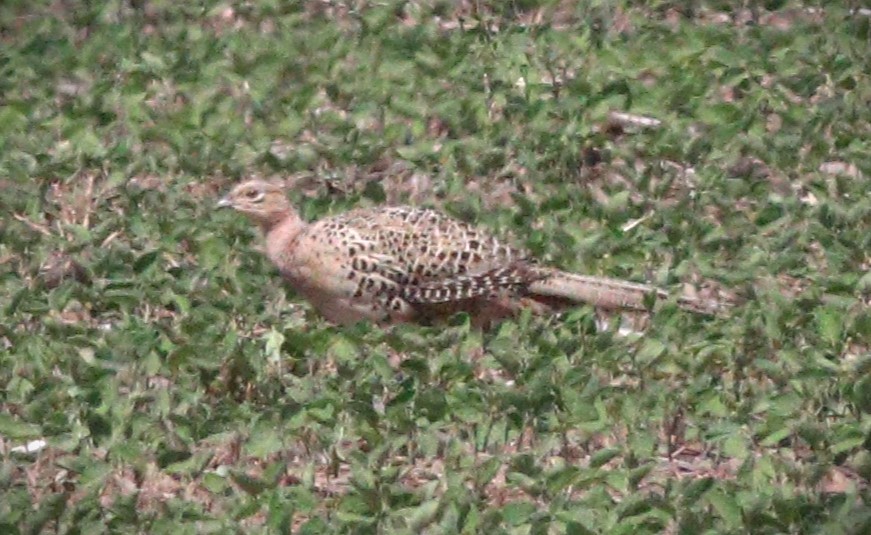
(463, 287)
(413, 246)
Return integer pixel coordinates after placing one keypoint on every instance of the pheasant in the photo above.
(407, 264)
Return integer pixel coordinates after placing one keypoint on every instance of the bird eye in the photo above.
(252, 194)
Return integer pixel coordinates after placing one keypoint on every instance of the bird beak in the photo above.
(225, 203)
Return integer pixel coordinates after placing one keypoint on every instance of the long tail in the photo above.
(550, 284)
(608, 293)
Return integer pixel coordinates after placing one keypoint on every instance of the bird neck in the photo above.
(280, 234)
(278, 218)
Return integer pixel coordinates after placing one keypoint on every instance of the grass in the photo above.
(177, 386)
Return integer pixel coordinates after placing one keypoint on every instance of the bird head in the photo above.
(262, 201)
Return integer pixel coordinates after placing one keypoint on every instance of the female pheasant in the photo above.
(407, 264)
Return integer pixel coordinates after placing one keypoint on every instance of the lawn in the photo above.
(157, 375)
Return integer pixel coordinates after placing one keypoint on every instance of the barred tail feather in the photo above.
(608, 293)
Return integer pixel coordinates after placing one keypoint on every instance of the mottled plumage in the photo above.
(402, 264)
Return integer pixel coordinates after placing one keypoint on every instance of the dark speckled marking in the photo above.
(401, 257)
